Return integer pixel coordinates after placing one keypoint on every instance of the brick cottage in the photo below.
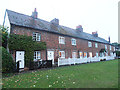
(62, 41)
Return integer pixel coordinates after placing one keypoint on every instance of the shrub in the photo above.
(8, 64)
(26, 43)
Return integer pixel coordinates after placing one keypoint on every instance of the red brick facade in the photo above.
(52, 41)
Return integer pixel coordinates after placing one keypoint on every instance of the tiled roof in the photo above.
(28, 21)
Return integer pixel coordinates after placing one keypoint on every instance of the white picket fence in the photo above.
(70, 61)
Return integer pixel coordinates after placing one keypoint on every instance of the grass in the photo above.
(93, 75)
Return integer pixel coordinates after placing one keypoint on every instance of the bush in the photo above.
(8, 64)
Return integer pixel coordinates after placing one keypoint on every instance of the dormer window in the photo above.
(36, 36)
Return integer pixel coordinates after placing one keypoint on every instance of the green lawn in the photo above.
(93, 75)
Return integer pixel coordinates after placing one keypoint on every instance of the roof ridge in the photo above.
(45, 22)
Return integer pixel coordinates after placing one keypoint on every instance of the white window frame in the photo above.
(61, 40)
(114, 48)
(90, 53)
(81, 56)
(89, 44)
(110, 47)
(105, 46)
(36, 36)
(62, 54)
(73, 41)
(36, 57)
(86, 55)
(96, 45)
(74, 53)
(97, 55)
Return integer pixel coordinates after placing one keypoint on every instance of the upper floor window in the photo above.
(36, 36)
(73, 41)
(62, 54)
(110, 47)
(114, 48)
(96, 45)
(89, 44)
(37, 55)
(105, 46)
(61, 40)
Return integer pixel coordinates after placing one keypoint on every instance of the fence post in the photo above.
(58, 62)
(74, 61)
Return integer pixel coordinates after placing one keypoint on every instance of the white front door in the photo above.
(20, 57)
(50, 56)
(74, 54)
(90, 54)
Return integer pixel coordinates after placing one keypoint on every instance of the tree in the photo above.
(4, 35)
(8, 64)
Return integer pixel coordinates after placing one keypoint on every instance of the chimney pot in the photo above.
(79, 28)
(35, 13)
(95, 34)
(55, 21)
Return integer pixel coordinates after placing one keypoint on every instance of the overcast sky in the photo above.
(93, 15)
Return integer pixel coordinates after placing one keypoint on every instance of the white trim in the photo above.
(73, 41)
(74, 54)
(105, 46)
(61, 40)
(62, 54)
(89, 44)
(96, 45)
(84, 54)
(36, 36)
(37, 55)
(80, 54)
(50, 57)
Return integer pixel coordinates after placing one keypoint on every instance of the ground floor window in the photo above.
(85, 54)
(102, 54)
(62, 54)
(111, 53)
(37, 55)
(74, 54)
(90, 54)
(80, 54)
(97, 54)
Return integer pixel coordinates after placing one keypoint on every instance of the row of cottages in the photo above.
(62, 41)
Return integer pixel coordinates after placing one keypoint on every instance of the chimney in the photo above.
(109, 39)
(55, 21)
(35, 13)
(95, 34)
(79, 28)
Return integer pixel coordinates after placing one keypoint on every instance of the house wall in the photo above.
(52, 41)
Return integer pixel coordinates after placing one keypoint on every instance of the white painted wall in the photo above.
(7, 22)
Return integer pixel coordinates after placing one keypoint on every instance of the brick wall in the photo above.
(52, 41)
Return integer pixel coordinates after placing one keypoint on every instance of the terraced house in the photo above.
(62, 41)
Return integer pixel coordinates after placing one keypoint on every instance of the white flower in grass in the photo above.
(47, 76)
(73, 82)
(50, 85)
(58, 77)
(56, 81)
(33, 85)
